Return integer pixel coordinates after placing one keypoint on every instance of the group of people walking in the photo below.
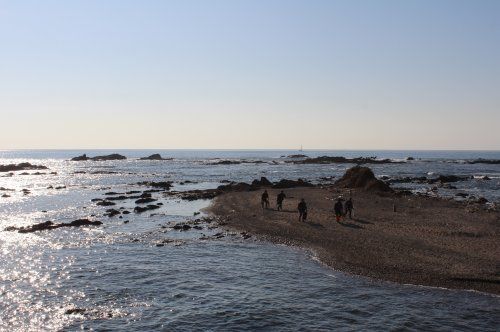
(340, 209)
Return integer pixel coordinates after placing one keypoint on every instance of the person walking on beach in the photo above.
(349, 207)
(265, 200)
(338, 208)
(302, 207)
(279, 200)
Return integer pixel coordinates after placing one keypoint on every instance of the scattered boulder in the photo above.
(140, 209)
(362, 177)
(155, 156)
(105, 203)
(145, 200)
(112, 212)
(21, 167)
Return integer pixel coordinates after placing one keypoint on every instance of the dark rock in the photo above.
(106, 203)
(112, 212)
(145, 200)
(482, 200)
(484, 161)
(486, 178)
(75, 311)
(5, 196)
(132, 192)
(20, 167)
(296, 156)
(282, 184)
(60, 187)
(79, 172)
(164, 185)
(6, 189)
(343, 160)
(83, 157)
(225, 162)
(410, 158)
(49, 225)
(449, 178)
(194, 195)
(140, 209)
(463, 195)
(182, 227)
(362, 177)
(113, 156)
(155, 156)
(126, 212)
(263, 182)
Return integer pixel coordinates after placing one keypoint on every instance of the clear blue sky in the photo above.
(250, 74)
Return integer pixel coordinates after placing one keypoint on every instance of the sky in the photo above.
(256, 74)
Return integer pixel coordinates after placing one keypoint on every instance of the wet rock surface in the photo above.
(49, 225)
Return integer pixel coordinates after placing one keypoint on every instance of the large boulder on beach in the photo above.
(262, 182)
(362, 177)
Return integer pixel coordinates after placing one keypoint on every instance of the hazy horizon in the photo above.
(328, 75)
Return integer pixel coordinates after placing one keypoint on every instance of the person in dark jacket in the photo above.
(279, 200)
(349, 207)
(302, 207)
(339, 209)
(264, 201)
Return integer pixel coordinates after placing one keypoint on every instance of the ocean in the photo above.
(139, 273)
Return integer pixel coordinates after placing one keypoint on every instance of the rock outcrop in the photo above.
(362, 177)
(344, 160)
(49, 225)
(20, 167)
(155, 156)
(114, 156)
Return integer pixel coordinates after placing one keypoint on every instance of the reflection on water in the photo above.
(139, 273)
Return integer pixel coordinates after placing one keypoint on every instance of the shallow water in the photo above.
(116, 275)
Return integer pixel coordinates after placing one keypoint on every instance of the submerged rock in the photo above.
(164, 184)
(21, 167)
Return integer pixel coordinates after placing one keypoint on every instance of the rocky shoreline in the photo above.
(398, 237)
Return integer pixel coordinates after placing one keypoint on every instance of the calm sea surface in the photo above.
(138, 273)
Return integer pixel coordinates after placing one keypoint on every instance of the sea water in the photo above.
(138, 273)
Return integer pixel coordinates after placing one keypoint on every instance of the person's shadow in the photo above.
(362, 221)
(316, 225)
(350, 225)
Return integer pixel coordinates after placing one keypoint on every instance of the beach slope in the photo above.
(425, 241)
